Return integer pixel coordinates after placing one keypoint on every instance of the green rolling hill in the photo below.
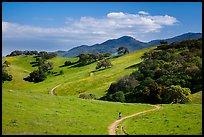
(28, 108)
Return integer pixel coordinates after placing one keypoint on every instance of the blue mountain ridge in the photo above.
(132, 44)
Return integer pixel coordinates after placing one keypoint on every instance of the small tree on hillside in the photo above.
(122, 50)
(103, 63)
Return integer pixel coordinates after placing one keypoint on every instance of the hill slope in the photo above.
(30, 113)
(27, 108)
(75, 80)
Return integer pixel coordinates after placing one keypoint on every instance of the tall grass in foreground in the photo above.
(27, 112)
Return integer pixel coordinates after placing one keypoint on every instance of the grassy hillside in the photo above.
(75, 79)
(171, 119)
(26, 112)
(27, 108)
(196, 98)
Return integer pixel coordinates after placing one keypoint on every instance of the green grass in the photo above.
(27, 108)
(25, 112)
(75, 80)
(196, 98)
(170, 119)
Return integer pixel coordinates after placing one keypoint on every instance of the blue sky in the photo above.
(53, 26)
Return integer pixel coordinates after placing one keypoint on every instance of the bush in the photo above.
(67, 63)
(6, 76)
(87, 96)
(36, 76)
(61, 72)
(118, 96)
(175, 94)
(103, 63)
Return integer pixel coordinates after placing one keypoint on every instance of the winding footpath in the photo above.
(112, 127)
(53, 89)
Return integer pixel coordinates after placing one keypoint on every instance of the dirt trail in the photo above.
(112, 127)
(52, 90)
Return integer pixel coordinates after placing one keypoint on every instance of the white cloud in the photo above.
(143, 13)
(116, 15)
(89, 30)
(5, 26)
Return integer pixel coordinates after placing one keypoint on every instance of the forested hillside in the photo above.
(168, 74)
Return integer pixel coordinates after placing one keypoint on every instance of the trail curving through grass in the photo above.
(52, 90)
(112, 127)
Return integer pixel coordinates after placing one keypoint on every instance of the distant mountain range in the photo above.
(132, 44)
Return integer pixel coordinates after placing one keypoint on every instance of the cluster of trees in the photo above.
(43, 68)
(46, 55)
(67, 63)
(26, 52)
(167, 75)
(101, 58)
(42, 54)
(92, 57)
(5, 75)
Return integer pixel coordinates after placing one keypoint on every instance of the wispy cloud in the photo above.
(89, 30)
(143, 13)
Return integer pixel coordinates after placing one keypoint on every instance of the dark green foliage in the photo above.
(175, 94)
(16, 53)
(6, 76)
(117, 97)
(43, 67)
(122, 50)
(92, 57)
(43, 54)
(26, 52)
(163, 43)
(67, 63)
(61, 72)
(167, 75)
(126, 84)
(36, 76)
(103, 63)
(87, 96)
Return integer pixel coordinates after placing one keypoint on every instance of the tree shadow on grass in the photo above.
(81, 64)
(34, 63)
(98, 70)
(73, 63)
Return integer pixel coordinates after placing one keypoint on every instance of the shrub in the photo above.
(67, 63)
(175, 94)
(87, 96)
(61, 72)
(6, 76)
(118, 96)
